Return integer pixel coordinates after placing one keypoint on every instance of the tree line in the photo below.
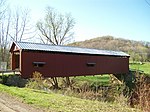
(138, 50)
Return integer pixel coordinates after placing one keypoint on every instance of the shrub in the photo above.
(141, 95)
(16, 80)
(38, 82)
(13, 80)
(4, 78)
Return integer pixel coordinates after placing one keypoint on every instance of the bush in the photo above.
(13, 80)
(38, 82)
(3, 79)
(141, 95)
(16, 80)
(95, 91)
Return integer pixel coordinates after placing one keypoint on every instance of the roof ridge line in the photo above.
(67, 49)
(70, 46)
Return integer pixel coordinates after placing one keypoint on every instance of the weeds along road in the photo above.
(11, 104)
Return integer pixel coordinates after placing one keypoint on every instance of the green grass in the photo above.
(145, 67)
(96, 80)
(61, 103)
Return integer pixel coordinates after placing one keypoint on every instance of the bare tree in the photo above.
(13, 26)
(4, 29)
(21, 25)
(2, 8)
(56, 28)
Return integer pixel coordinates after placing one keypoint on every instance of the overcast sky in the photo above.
(128, 19)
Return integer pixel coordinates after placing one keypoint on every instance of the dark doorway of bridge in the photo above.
(17, 61)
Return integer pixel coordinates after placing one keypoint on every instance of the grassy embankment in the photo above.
(58, 102)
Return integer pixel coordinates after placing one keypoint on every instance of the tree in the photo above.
(2, 8)
(21, 25)
(3, 31)
(13, 26)
(56, 29)
(148, 55)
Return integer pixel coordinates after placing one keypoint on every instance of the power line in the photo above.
(147, 3)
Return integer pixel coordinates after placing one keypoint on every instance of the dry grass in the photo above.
(141, 95)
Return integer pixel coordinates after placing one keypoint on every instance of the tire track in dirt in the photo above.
(12, 104)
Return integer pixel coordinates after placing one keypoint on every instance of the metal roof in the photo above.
(67, 49)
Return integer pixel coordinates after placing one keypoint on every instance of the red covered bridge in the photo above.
(61, 61)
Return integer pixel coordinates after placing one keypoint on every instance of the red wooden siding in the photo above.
(62, 65)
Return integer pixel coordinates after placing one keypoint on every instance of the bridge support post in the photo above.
(128, 79)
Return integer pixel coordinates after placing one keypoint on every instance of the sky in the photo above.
(129, 19)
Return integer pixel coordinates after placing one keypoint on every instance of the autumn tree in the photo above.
(56, 29)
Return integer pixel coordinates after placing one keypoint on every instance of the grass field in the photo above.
(145, 67)
(102, 80)
(61, 103)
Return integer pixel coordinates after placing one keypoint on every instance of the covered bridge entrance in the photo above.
(64, 61)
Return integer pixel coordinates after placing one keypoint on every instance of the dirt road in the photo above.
(11, 104)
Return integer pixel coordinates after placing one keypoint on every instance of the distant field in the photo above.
(102, 80)
(60, 103)
(145, 67)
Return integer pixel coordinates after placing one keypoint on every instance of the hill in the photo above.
(138, 50)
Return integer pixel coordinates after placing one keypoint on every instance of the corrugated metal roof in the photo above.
(67, 49)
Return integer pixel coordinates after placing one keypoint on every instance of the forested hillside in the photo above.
(138, 50)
